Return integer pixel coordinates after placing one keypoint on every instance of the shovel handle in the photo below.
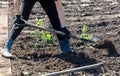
(57, 32)
(47, 29)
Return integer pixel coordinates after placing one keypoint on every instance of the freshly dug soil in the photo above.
(101, 17)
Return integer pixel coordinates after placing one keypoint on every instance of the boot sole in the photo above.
(10, 57)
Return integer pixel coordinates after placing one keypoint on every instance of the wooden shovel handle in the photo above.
(58, 32)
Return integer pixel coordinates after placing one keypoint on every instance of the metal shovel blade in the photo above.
(90, 38)
(95, 38)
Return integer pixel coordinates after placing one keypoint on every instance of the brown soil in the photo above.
(102, 18)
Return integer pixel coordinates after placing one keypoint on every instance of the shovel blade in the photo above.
(95, 38)
(90, 38)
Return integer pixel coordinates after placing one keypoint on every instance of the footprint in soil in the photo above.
(111, 50)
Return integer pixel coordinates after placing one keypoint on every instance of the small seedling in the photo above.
(87, 46)
(33, 33)
(43, 35)
(46, 38)
(36, 33)
(84, 34)
(39, 22)
(84, 29)
(49, 38)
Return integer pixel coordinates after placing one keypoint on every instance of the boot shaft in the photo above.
(8, 44)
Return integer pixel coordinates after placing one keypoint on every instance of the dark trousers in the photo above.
(50, 9)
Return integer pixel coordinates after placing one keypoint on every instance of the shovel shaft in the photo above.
(47, 29)
(58, 32)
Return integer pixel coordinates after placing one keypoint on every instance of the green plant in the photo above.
(84, 34)
(36, 33)
(49, 38)
(84, 29)
(46, 37)
(39, 22)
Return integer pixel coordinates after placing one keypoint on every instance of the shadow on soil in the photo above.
(76, 59)
(79, 60)
(111, 50)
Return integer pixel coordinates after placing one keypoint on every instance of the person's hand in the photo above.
(66, 31)
(18, 20)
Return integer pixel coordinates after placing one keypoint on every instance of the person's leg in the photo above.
(16, 30)
(25, 12)
(26, 8)
(51, 10)
(61, 13)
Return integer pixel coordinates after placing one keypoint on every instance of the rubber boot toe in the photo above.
(6, 53)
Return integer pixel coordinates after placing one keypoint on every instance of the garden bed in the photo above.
(102, 18)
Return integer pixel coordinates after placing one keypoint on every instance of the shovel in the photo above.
(92, 39)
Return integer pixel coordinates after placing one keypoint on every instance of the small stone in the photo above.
(26, 73)
(29, 57)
